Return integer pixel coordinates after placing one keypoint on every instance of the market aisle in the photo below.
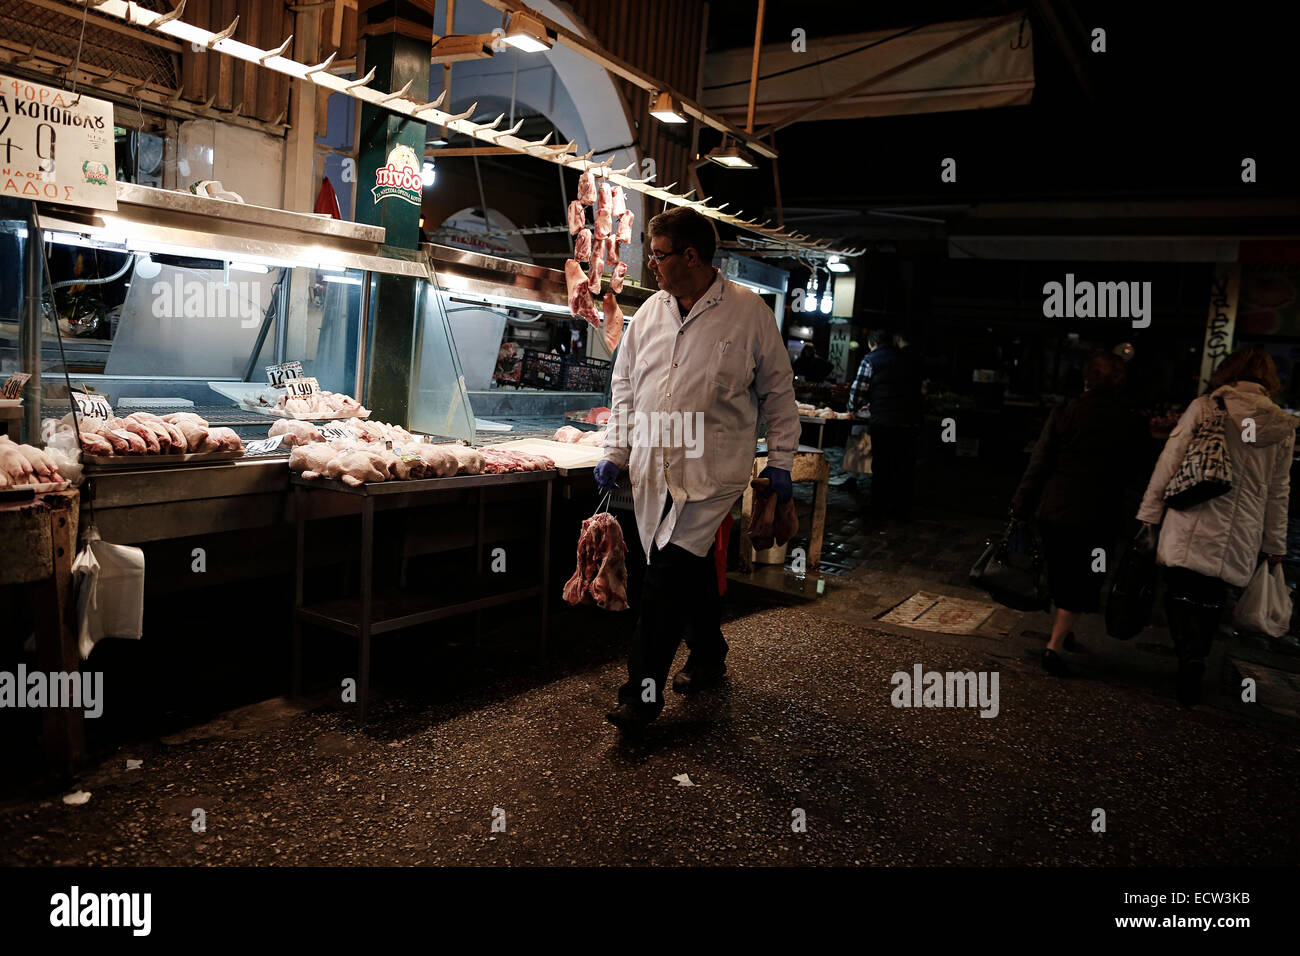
(805, 723)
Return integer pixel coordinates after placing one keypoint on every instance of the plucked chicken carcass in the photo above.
(613, 327)
(294, 432)
(310, 460)
(226, 439)
(439, 460)
(577, 217)
(582, 246)
(402, 467)
(469, 461)
(15, 469)
(601, 574)
(43, 467)
(604, 212)
(596, 438)
(193, 428)
(357, 467)
(580, 301)
(587, 188)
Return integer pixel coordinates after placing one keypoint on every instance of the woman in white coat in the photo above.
(1217, 543)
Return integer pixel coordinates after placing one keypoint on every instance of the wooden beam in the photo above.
(435, 152)
(76, 10)
(753, 69)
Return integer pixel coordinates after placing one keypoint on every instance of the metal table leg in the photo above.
(546, 569)
(367, 581)
(299, 499)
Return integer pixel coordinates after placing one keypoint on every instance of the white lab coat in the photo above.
(725, 361)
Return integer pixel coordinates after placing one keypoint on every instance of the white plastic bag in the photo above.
(1265, 605)
(110, 591)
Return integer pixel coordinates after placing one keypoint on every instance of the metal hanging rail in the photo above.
(172, 25)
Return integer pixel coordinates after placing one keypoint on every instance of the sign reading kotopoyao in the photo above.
(54, 147)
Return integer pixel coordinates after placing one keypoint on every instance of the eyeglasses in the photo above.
(658, 257)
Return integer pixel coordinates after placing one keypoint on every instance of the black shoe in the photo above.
(628, 719)
(690, 679)
(1054, 664)
(1073, 646)
(1190, 676)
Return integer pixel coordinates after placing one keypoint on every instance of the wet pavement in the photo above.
(804, 731)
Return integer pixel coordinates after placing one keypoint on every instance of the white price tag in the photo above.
(301, 387)
(263, 446)
(13, 387)
(334, 431)
(279, 374)
(92, 405)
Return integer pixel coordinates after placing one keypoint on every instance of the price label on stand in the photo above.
(13, 387)
(334, 431)
(277, 375)
(263, 446)
(92, 405)
(301, 387)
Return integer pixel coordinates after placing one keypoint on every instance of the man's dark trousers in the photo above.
(893, 468)
(679, 598)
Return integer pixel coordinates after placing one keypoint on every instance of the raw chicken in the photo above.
(577, 217)
(295, 432)
(356, 467)
(310, 460)
(134, 443)
(226, 439)
(597, 269)
(624, 233)
(587, 188)
(596, 438)
(92, 444)
(146, 434)
(613, 327)
(439, 460)
(620, 204)
(770, 523)
(601, 574)
(611, 251)
(401, 469)
(580, 302)
(43, 467)
(616, 276)
(469, 461)
(582, 247)
(15, 469)
(604, 212)
(193, 429)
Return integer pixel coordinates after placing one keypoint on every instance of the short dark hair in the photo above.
(1104, 372)
(685, 228)
(878, 338)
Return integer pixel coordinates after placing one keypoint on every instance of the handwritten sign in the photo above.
(277, 375)
(13, 387)
(329, 432)
(92, 405)
(263, 446)
(837, 351)
(55, 146)
(1222, 320)
(301, 387)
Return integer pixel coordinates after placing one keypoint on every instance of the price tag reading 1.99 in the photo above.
(301, 387)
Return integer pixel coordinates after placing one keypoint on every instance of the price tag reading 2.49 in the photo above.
(301, 387)
(92, 405)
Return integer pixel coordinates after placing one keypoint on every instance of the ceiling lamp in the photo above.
(732, 157)
(666, 109)
(836, 264)
(526, 32)
(462, 46)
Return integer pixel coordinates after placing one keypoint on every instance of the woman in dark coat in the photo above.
(1091, 450)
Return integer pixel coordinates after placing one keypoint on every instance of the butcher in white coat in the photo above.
(701, 360)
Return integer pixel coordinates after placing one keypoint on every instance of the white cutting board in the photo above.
(563, 454)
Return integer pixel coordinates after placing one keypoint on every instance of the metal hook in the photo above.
(167, 17)
(1020, 36)
(225, 34)
(278, 51)
(361, 82)
(322, 66)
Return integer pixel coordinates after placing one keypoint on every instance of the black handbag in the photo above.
(1133, 591)
(1012, 570)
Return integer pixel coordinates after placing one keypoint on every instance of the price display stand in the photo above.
(375, 611)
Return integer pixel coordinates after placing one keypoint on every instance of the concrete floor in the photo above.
(804, 724)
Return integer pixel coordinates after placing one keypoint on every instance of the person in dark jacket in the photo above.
(887, 392)
(1090, 451)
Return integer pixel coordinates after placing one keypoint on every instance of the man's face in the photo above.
(671, 271)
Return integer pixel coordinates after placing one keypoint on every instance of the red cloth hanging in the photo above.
(326, 202)
(720, 552)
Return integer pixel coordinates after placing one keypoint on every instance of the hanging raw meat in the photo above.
(625, 221)
(582, 247)
(611, 251)
(601, 574)
(587, 188)
(620, 204)
(613, 327)
(616, 276)
(577, 217)
(604, 212)
(597, 268)
(580, 303)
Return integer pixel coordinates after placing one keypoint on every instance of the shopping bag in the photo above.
(1133, 591)
(1011, 569)
(109, 582)
(1265, 605)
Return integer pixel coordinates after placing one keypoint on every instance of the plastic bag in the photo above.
(1265, 605)
(109, 580)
